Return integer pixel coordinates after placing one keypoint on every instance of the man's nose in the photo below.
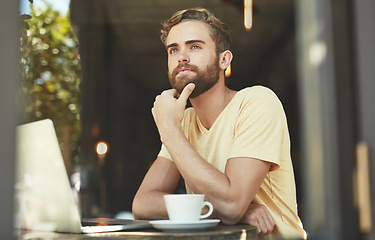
(183, 57)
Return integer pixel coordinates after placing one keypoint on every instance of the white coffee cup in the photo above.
(186, 207)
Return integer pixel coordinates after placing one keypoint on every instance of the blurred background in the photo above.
(94, 67)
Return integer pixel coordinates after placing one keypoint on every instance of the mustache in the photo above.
(192, 67)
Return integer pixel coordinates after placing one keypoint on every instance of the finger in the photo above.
(268, 226)
(268, 219)
(186, 93)
(253, 221)
(263, 227)
(156, 98)
(255, 224)
(172, 92)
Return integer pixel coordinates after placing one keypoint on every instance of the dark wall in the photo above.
(116, 107)
(124, 67)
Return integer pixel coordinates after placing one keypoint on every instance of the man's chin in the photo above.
(181, 87)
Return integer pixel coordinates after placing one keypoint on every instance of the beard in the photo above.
(203, 80)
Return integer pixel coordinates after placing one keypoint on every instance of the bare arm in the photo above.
(230, 192)
(162, 178)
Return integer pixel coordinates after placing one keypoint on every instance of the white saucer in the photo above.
(168, 225)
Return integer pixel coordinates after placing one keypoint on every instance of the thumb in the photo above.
(186, 93)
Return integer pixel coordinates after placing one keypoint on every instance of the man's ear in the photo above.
(225, 59)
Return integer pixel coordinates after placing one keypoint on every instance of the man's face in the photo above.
(192, 57)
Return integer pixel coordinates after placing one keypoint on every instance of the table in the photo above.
(220, 232)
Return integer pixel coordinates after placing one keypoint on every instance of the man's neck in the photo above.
(210, 104)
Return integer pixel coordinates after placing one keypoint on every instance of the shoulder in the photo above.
(258, 96)
(257, 92)
(190, 113)
(189, 116)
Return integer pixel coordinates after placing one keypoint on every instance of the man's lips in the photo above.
(184, 70)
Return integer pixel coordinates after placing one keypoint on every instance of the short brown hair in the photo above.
(219, 30)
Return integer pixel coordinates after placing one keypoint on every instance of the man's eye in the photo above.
(195, 47)
(173, 50)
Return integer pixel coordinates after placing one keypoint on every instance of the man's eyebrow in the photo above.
(171, 45)
(194, 41)
(186, 43)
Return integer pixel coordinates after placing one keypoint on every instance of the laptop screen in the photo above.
(44, 199)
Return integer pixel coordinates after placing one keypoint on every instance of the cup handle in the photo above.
(210, 210)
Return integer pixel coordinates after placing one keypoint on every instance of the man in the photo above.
(231, 146)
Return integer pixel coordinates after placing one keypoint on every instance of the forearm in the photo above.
(162, 178)
(149, 206)
(229, 207)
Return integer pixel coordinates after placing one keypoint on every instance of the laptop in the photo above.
(44, 199)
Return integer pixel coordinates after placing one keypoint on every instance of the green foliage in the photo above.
(51, 75)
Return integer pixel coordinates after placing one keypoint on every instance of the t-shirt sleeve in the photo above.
(259, 128)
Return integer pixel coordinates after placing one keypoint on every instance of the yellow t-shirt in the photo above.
(253, 125)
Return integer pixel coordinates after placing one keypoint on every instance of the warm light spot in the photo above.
(248, 14)
(317, 53)
(243, 235)
(77, 186)
(101, 148)
(228, 71)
